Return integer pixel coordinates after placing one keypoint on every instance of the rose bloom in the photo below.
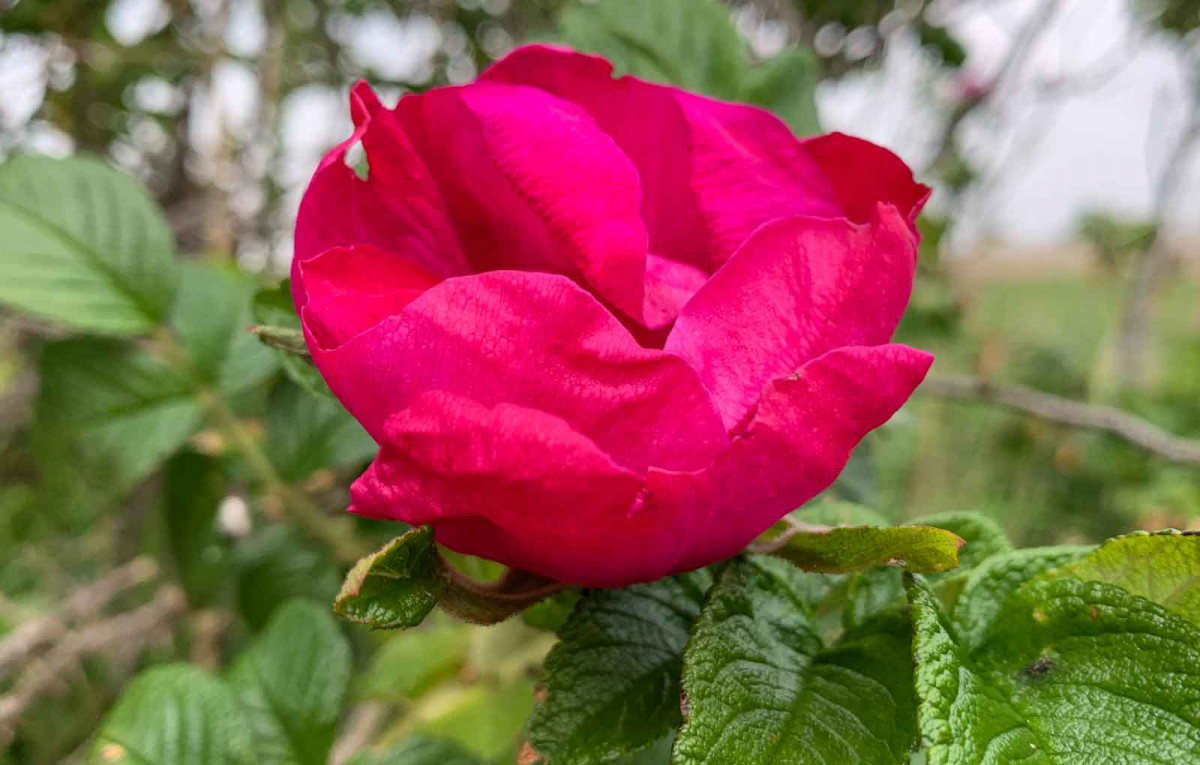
(603, 330)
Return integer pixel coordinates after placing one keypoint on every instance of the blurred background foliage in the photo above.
(227, 482)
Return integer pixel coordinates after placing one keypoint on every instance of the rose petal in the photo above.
(863, 174)
(713, 172)
(351, 289)
(795, 446)
(533, 340)
(519, 486)
(797, 288)
(397, 208)
(533, 184)
(670, 285)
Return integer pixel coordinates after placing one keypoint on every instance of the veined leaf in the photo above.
(306, 433)
(174, 715)
(122, 409)
(278, 563)
(1163, 567)
(273, 309)
(612, 682)
(117, 408)
(83, 245)
(193, 487)
(761, 689)
(870, 592)
(689, 43)
(988, 588)
(693, 44)
(410, 662)
(291, 681)
(420, 749)
(1070, 673)
(982, 536)
(484, 719)
(839, 549)
(210, 315)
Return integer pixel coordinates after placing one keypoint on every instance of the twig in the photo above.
(133, 627)
(83, 604)
(281, 338)
(337, 533)
(361, 725)
(1064, 411)
(1036, 24)
(208, 628)
(1151, 268)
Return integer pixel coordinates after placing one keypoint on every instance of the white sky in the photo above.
(1100, 147)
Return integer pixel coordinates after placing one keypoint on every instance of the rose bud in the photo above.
(603, 330)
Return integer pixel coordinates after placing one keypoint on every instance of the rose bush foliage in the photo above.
(603, 330)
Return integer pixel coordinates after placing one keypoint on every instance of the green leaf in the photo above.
(122, 410)
(306, 433)
(273, 308)
(659, 753)
(552, 613)
(83, 244)
(420, 749)
(1163, 567)
(827, 592)
(279, 563)
(842, 549)
(689, 43)
(871, 592)
(479, 569)
(395, 587)
(938, 40)
(613, 679)
(786, 86)
(174, 715)
(291, 682)
(484, 719)
(118, 408)
(834, 514)
(210, 316)
(988, 587)
(693, 44)
(282, 339)
(1071, 673)
(193, 487)
(982, 535)
(410, 662)
(760, 688)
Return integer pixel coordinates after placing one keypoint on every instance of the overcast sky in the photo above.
(1101, 146)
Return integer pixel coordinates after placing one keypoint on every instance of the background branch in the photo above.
(1065, 411)
(124, 631)
(84, 604)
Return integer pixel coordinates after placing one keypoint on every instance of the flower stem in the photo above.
(335, 533)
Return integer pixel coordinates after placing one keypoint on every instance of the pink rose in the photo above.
(603, 330)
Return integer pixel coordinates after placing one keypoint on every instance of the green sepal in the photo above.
(399, 585)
